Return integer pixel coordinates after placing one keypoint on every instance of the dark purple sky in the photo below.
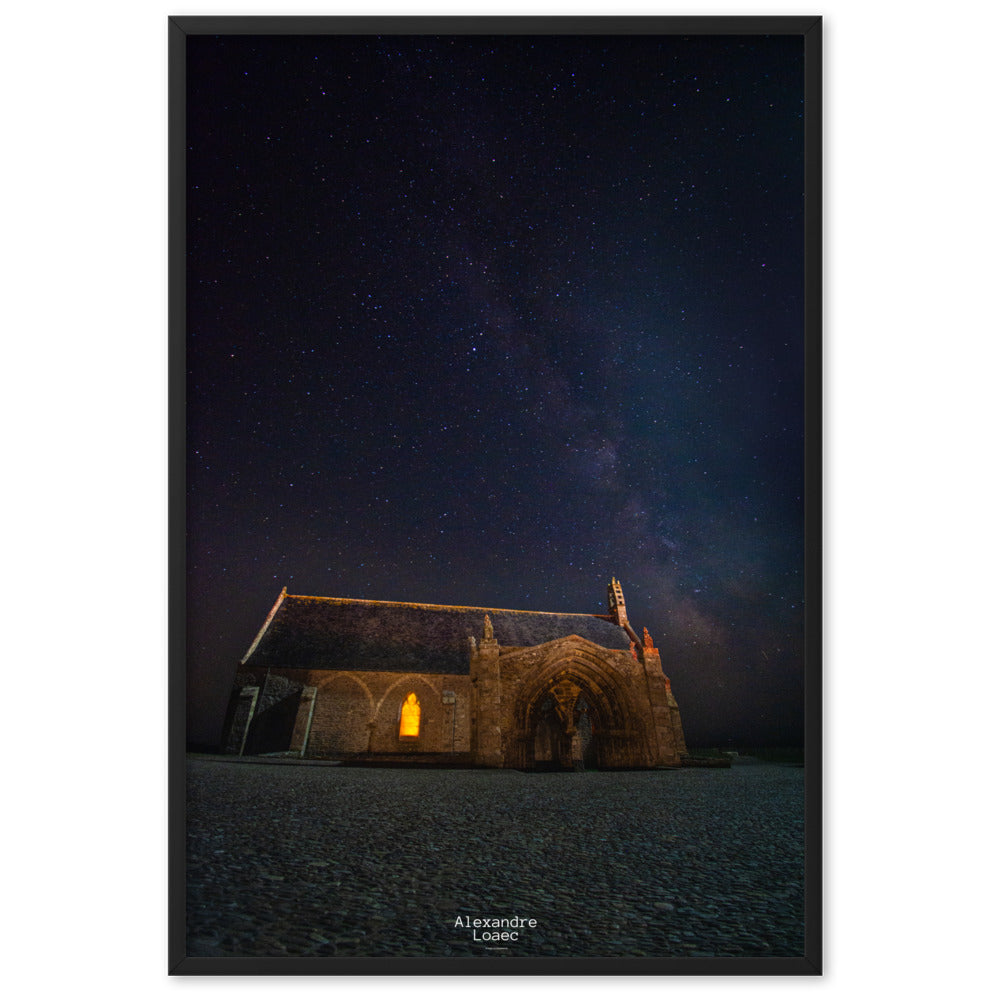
(484, 321)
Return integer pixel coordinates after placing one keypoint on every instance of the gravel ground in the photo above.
(300, 860)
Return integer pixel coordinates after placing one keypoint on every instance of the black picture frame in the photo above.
(810, 30)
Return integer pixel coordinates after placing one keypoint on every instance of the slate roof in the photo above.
(335, 633)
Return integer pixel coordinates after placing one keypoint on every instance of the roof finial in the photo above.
(487, 628)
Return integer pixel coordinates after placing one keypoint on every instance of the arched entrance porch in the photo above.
(574, 714)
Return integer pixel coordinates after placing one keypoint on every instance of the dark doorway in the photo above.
(548, 737)
(562, 736)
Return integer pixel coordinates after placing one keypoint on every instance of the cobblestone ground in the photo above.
(318, 860)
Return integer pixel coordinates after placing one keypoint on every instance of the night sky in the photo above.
(486, 321)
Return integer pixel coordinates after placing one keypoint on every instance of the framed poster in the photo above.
(495, 574)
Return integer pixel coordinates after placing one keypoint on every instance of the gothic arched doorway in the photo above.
(568, 722)
(563, 738)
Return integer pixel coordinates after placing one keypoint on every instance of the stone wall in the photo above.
(327, 714)
(343, 709)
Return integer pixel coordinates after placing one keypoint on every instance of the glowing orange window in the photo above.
(409, 717)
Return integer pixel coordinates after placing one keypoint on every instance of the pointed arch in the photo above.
(409, 717)
(389, 735)
(617, 721)
(344, 707)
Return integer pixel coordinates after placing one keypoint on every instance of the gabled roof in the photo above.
(337, 633)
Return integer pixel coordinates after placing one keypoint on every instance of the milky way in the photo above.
(486, 321)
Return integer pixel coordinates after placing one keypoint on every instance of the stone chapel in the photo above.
(370, 681)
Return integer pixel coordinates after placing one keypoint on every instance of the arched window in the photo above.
(409, 716)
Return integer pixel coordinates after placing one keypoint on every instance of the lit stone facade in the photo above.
(346, 679)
